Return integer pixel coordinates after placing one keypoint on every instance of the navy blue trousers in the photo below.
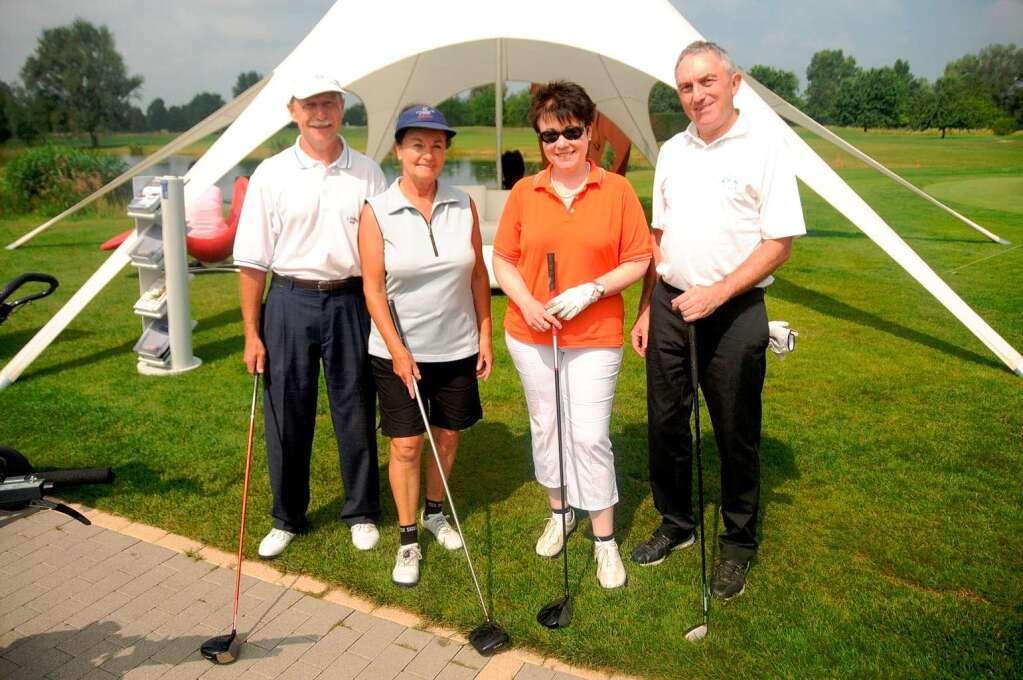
(303, 328)
(731, 348)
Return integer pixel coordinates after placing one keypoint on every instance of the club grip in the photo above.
(551, 284)
(397, 323)
(67, 478)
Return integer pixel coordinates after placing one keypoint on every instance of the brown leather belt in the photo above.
(349, 285)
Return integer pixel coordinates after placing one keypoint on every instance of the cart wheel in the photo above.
(12, 463)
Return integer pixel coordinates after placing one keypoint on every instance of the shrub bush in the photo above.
(667, 125)
(1003, 126)
(50, 178)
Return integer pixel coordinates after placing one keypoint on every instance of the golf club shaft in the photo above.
(695, 376)
(552, 287)
(245, 496)
(451, 504)
(440, 465)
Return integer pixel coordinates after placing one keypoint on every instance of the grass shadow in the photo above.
(791, 292)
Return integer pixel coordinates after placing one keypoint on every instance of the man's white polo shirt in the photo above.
(301, 218)
(716, 202)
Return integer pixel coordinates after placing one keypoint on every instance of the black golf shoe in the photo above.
(655, 549)
(729, 578)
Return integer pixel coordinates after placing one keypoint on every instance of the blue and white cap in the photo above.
(423, 117)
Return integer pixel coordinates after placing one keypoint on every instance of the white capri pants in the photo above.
(588, 379)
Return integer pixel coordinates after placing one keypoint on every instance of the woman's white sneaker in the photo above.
(551, 540)
(274, 543)
(406, 565)
(365, 536)
(438, 525)
(610, 570)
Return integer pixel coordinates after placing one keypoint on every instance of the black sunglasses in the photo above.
(570, 133)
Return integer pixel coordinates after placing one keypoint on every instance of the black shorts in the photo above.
(449, 388)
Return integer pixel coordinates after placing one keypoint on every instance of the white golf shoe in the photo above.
(442, 531)
(274, 543)
(551, 540)
(406, 565)
(365, 536)
(610, 570)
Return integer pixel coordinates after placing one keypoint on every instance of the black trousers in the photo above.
(731, 345)
(301, 329)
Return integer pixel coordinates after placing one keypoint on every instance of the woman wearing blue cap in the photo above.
(420, 246)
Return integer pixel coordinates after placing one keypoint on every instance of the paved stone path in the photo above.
(123, 599)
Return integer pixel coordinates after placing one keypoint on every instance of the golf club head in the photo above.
(222, 649)
(557, 614)
(697, 633)
(489, 638)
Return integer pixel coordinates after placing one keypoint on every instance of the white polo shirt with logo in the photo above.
(717, 202)
(301, 217)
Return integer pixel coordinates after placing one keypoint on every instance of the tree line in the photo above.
(76, 81)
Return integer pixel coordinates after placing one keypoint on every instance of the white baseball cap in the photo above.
(317, 83)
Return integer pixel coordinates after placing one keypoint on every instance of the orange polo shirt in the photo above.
(604, 227)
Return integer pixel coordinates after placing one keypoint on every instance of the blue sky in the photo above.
(185, 46)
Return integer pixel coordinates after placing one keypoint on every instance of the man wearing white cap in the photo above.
(300, 223)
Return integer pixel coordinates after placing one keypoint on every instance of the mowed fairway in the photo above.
(892, 444)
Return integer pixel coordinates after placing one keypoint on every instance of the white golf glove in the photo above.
(781, 338)
(569, 304)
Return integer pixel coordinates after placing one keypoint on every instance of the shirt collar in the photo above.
(305, 161)
(542, 179)
(397, 201)
(739, 128)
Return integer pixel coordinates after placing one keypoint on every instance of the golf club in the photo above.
(223, 649)
(558, 614)
(487, 638)
(698, 632)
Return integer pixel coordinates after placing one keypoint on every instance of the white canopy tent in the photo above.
(616, 54)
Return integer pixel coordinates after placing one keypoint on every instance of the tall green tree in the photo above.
(355, 114)
(201, 105)
(156, 116)
(955, 103)
(245, 80)
(6, 96)
(870, 99)
(664, 99)
(999, 69)
(516, 109)
(785, 84)
(78, 76)
(456, 111)
(827, 71)
(481, 105)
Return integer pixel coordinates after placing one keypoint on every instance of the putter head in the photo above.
(488, 638)
(222, 649)
(697, 633)
(557, 614)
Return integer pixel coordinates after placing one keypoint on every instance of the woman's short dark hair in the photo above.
(565, 101)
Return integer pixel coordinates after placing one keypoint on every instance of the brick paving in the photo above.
(120, 599)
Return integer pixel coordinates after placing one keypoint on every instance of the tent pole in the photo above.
(499, 109)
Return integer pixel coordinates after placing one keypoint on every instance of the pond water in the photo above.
(459, 171)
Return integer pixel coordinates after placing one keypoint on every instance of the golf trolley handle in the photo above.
(31, 277)
(62, 479)
(32, 487)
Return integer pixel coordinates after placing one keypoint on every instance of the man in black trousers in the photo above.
(725, 211)
(300, 223)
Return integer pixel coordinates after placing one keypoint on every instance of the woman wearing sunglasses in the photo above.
(592, 221)
(421, 247)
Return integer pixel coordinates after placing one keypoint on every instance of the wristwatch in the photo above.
(599, 288)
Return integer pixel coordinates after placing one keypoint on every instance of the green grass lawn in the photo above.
(891, 526)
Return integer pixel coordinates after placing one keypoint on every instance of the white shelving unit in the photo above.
(158, 208)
